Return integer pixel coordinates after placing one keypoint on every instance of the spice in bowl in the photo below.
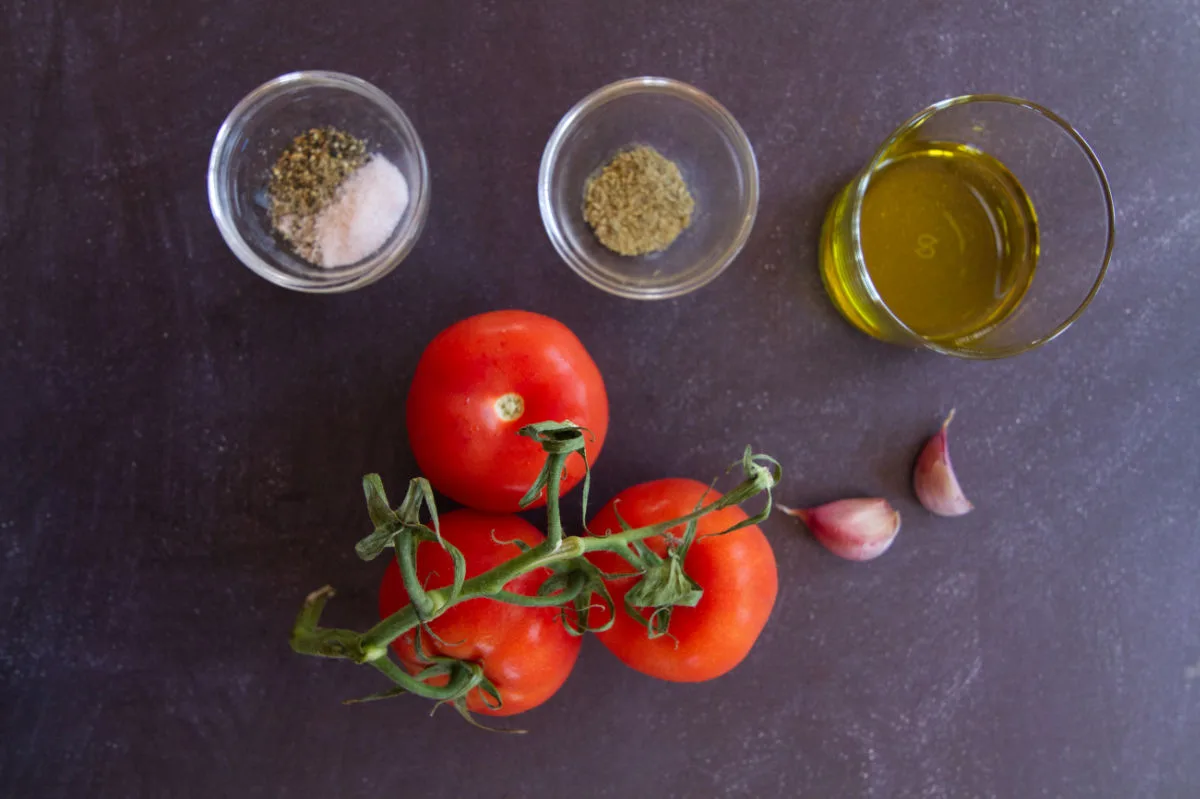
(332, 202)
(638, 203)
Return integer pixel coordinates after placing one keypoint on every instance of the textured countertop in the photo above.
(181, 442)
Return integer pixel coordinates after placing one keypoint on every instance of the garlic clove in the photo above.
(854, 529)
(934, 479)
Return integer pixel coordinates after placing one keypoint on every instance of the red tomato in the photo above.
(525, 652)
(482, 379)
(736, 571)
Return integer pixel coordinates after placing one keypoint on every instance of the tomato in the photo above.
(525, 652)
(481, 380)
(737, 572)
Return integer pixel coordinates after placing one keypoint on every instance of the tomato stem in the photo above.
(575, 579)
(406, 556)
(559, 440)
(461, 680)
(487, 584)
(759, 478)
(554, 527)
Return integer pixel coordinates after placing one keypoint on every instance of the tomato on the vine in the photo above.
(736, 571)
(527, 653)
(482, 379)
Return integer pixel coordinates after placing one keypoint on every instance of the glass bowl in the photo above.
(688, 127)
(1065, 226)
(262, 125)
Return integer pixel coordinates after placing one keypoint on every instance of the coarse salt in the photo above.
(362, 215)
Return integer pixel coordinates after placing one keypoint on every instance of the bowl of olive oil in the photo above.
(981, 228)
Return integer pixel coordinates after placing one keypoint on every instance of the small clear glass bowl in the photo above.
(686, 126)
(262, 125)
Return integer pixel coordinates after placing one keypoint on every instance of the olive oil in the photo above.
(949, 239)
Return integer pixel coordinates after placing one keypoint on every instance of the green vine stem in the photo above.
(574, 580)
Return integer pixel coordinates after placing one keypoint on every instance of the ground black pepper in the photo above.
(305, 179)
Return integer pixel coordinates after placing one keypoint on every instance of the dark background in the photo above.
(181, 442)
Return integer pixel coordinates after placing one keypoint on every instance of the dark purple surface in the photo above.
(181, 442)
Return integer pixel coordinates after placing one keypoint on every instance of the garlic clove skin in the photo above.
(854, 529)
(934, 479)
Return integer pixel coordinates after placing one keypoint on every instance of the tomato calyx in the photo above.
(403, 531)
(466, 674)
(664, 584)
(463, 677)
(559, 440)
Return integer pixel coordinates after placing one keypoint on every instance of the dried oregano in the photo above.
(638, 203)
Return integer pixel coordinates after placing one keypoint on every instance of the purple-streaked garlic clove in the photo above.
(854, 529)
(934, 480)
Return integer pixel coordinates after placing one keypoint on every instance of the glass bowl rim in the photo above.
(221, 158)
(914, 122)
(717, 114)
